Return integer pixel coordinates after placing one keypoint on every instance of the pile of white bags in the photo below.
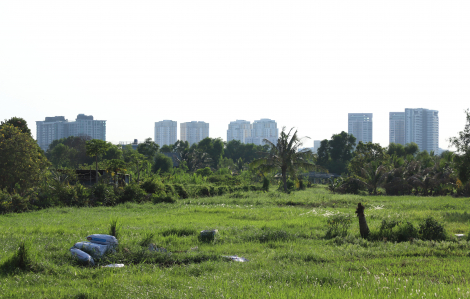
(96, 248)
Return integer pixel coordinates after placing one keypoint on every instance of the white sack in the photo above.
(96, 250)
(82, 256)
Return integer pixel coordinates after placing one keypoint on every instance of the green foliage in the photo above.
(133, 193)
(351, 185)
(338, 225)
(152, 185)
(102, 194)
(147, 239)
(289, 183)
(430, 229)
(148, 148)
(162, 164)
(266, 184)
(335, 154)
(71, 152)
(20, 260)
(235, 150)
(22, 162)
(367, 153)
(181, 191)
(114, 228)
(204, 172)
(214, 148)
(285, 156)
(19, 123)
(394, 230)
(162, 197)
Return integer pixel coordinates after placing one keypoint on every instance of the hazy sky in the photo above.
(305, 64)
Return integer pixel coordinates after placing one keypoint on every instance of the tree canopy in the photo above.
(285, 156)
(21, 159)
(335, 154)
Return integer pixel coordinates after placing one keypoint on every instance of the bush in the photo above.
(338, 225)
(351, 185)
(152, 185)
(162, 163)
(103, 194)
(430, 229)
(170, 190)
(203, 191)
(265, 184)
(204, 172)
(396, 231)
(162, 197)
(302, 185)
(181, 191)
(222, 190)
(290, 185)
(133, 193)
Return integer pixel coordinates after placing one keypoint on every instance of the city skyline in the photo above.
(305, 65)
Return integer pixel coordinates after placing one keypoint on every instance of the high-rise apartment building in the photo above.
(194, 131)
(50, 129)
(360, 126)
(53, 128)
(263, 129)
(422, 128)
(239, 130)
(316, 146)
(397, 127)
(165, 132)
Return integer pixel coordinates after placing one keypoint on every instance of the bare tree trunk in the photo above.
(96, 173)
(363, 227)
(284, 179)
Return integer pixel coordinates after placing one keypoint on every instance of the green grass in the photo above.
(282, 236)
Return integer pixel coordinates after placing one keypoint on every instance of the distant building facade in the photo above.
(316, 146)
(53, 128)
(263, 129)
(239, 130)
(165, 132)
(397, 127)
(422, 128)
(194, 131)
(360, 126)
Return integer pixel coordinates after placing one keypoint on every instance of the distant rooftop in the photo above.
(54, 118)
(84, 117)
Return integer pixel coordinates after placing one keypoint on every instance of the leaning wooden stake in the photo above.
(363, 228)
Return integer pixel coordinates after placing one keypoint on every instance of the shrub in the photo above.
(152, 185)
(222, 190)
(290, 185)
(82, 193)
(396, 231)
(302, 185)
(204, 172)
(351, 185)
(133, 193)
(170, 190)
(162, 197)
(430, 229)
(203, 191)
(265, 184)
(181, 191)
(103, 194)
(406, 231)
(338, 225)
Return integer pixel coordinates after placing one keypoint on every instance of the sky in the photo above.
(305, 64)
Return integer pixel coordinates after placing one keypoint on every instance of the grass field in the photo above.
(282, 236)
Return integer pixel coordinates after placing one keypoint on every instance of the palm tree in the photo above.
(285, 156)
(373, 174)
